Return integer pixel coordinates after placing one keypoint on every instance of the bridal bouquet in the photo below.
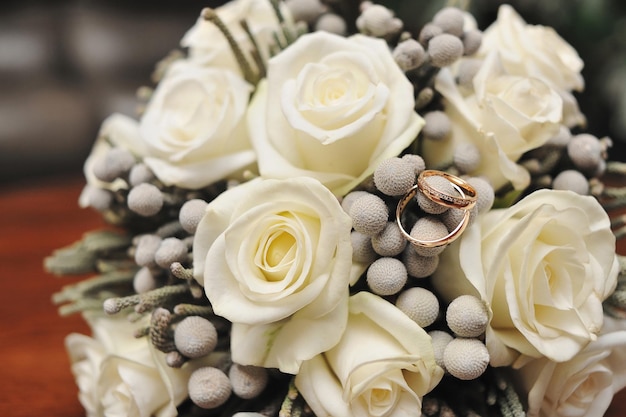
(319, 213)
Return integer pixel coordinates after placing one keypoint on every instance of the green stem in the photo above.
(279, 15)
(180, 272)
(193, 310)
(145, 301)
(77, 291)
(248, 72)
(256, 52)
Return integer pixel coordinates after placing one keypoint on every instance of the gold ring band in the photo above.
(451, 237)
(466, 201)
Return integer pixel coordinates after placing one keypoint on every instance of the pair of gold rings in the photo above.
(465, 201)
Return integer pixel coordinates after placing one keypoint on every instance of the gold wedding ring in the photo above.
(467, 192)
(465, 202)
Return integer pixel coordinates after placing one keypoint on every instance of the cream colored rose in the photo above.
(543, 266)
(194, 126)
(275, 259)
(382, 366)
(119, 375)
(208, 46)
(533, 51)
(581, 387)
(332, 108)
(504, 117)
(539, 52)
(192, 132)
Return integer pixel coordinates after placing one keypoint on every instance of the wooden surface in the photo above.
(35, 377)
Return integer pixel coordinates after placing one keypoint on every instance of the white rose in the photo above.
(208, 46)
(581, 387)
(504, 117)
(275, 259)
(543, 266)
(533, 51)
(332, 108)
(538, 52)
(120, 375)
(194, 126)
(383, 365)
(192, 133)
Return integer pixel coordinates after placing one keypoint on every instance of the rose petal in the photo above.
(348, 97)
(322, 388)
(199, 174)
(286, 344)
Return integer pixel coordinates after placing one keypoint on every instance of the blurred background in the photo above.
(65, 65)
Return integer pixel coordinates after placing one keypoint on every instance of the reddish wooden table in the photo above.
(35, 377)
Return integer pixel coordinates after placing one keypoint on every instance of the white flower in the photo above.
(539, 52)
(581, 387)
(194, 126)
(533, 51)
(332, 108)
(504, 117)
(208, 46)
(119, 375)
(275, 259)
(617, 359)
(383, 365)
(192, 133)
(543, 266)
